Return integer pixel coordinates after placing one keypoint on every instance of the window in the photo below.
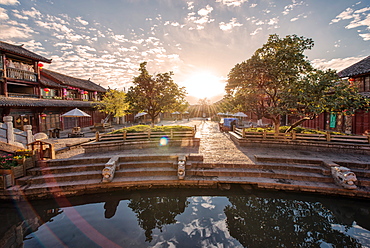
(367, 83)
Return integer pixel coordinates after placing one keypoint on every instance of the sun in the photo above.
(204, 85)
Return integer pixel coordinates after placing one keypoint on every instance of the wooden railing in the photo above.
(21, 74)
(145, 136)
(327, 137)
(21, 95)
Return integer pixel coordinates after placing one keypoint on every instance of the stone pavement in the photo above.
(216, 147)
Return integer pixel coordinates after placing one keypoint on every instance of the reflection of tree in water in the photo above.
(155, 212)
(260, 222)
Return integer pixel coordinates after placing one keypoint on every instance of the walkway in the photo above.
(216, 147)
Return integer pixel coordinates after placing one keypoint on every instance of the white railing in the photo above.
(13, 136)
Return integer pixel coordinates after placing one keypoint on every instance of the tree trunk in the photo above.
(297, 123)
(276, 125)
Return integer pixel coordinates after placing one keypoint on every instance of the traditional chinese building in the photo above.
(358, 74)
(38, 97)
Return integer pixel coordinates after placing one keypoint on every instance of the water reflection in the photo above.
(186, 218)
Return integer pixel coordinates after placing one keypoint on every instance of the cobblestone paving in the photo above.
(215, 146)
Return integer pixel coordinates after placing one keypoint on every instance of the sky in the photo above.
(200, 41)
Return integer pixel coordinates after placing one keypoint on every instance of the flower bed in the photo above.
(12, 167)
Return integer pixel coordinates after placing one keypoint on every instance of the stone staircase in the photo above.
(63, 177)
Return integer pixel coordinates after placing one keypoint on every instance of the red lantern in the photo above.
(40, 65)
(47, 90)
(85, 92)
(351, 79)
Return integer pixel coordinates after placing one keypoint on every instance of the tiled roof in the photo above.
(19, 50)
(35, 102)
(50, 83)
(359, 68)
(71, 81)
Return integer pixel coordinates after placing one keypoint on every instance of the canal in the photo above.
(187, 218)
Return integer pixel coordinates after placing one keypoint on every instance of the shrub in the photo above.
(146, 128)
(7, 161)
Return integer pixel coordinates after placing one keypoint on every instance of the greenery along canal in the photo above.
(191, 218)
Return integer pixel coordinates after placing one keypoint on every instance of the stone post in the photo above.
(8, 120)
(28, 130)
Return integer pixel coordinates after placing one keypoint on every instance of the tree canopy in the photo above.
(113, 103)
(279, 79)
(155, 94)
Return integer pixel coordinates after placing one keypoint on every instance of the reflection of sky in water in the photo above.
(202, 223)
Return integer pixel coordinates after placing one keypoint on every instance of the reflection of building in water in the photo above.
(18, 222)
(156, 212)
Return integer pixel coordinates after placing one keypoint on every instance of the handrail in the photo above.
(150, 135)
(21, 74)
(328, 137)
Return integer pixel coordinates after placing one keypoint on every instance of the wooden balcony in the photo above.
(21, 74)
(22, 95)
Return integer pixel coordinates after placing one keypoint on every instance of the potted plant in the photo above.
(9, 166)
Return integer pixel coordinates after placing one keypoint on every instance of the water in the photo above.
(192, 218)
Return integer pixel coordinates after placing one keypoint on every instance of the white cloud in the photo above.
(17, 14)
(201, 20)
(83, 22)
(298, 17)
(190, 5)
(9, 2)
(230, 25)
(3, 14)
(234, 3)
(14, 30)
(205, 11)
(273, 21)
(359, 18)
(34, 13)
(337, 64)
(290, 7)
(365, 36)
(256, 31)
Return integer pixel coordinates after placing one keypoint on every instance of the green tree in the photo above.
(279, 80)
(113, 103)
(154, 94)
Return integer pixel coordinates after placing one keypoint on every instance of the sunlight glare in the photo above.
(204, 85)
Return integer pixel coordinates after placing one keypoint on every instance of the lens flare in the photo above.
(163, 141)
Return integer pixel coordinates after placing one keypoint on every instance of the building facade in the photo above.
(38, 97)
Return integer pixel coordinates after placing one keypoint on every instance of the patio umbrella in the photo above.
(75, 113)
(140, 114)
(240, 114)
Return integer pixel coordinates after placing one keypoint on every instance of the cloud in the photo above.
(201, 19)
(9, 2)
(298, 17)
(83, 22)
(359, 18)
(337, 64)
(3, 14)
(230, 25)
(290, 7)
(256, 31)
(233, 3)
(34, 13)
(365, 36)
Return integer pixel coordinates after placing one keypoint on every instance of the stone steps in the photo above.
(261, 173)
(312, 168)
(37, 171)
(80, 176)
(148, 164)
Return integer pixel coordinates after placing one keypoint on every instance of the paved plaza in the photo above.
(216, 147)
